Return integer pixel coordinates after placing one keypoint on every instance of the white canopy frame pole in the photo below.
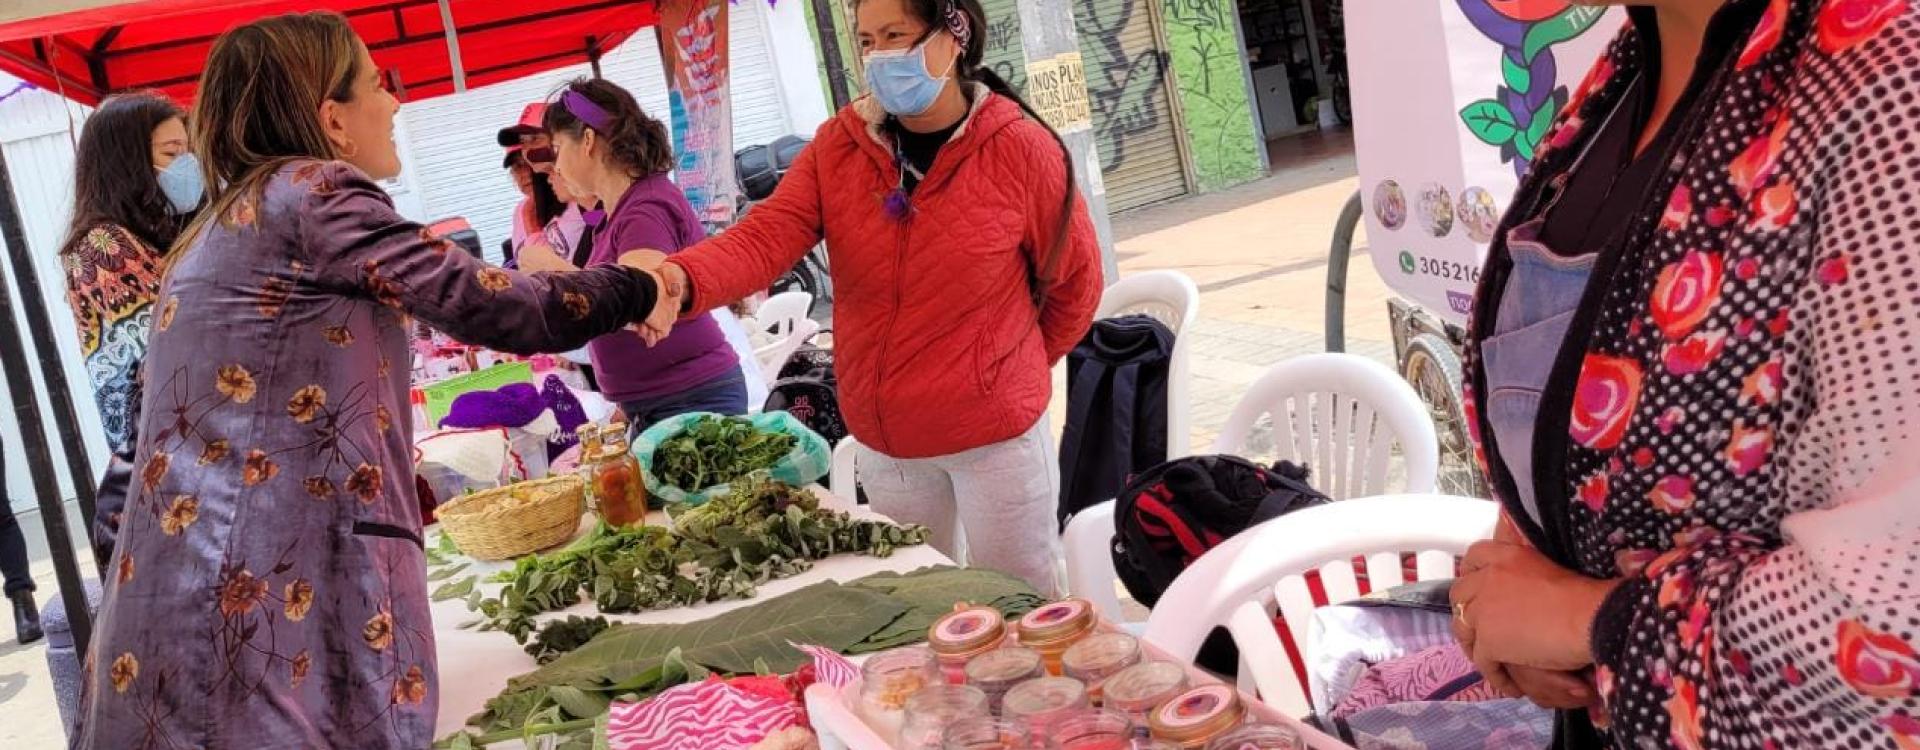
(453, 47)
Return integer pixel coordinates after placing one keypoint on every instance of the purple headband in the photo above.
(588, 112)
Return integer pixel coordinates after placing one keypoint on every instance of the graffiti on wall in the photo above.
(1516, 118)
(1203, 39)
(1004, 54)
(1127, 85)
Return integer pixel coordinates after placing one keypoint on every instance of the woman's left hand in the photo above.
(1513, 605)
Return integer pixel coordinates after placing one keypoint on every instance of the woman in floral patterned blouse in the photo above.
(268, 590)
(1694, 376)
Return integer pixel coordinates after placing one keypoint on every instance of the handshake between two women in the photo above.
(671, 282)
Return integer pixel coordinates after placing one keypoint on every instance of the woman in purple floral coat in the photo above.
(269, 587)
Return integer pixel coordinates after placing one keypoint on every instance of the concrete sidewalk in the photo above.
(1258, 252)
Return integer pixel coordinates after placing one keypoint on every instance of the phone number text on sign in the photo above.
(1445, 269)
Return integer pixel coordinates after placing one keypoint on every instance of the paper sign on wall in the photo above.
(1057, 89)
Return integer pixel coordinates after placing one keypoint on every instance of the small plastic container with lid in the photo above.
(1259, 737)
(996, 672)
(888, 679)
(1137, 690)
(986, 733)
(964, 634)
(1043, 702)
(930, 711)
(1199, 716)
(1054, 628)
(1098, 657)
(1092, 729)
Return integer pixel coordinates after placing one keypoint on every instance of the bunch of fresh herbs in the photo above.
(716, 450)
(759, 532)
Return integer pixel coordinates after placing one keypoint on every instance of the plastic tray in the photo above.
(839, 726)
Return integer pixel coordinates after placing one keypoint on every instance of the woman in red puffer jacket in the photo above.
(965, 266)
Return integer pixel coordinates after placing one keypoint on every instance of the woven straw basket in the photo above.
(517, 519)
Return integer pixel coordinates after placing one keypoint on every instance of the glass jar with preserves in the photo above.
(1093, 729)
(887, 680)
(996, 672)
(1137, 690)
(1199, 716)
(963, 634)
(936, 707)
(1043, 702)
(1259, 737)
(1054, 628)
(1098, 657)
(619, 489)
(986, 733)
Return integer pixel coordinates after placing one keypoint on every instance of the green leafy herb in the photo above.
(445, 573)
(931, 593)
(561, 636)
(457, 590)
(717, 450)
(725, 549)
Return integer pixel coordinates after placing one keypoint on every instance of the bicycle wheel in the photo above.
(1434, 370)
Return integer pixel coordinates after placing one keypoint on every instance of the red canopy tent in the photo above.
(87, 49)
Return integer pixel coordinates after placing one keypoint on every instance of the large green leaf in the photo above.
(1537, 130)
(1572, 23)
(1490, 122)
(930, 593)
(826, 614)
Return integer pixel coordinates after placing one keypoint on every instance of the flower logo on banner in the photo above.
(1523, 107)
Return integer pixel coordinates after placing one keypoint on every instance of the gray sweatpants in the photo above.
(1002, 495)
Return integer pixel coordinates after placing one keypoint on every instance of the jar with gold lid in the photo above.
(1196, 717)
(1054, 628)
(963, 634)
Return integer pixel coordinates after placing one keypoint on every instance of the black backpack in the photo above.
(808, 389)
(1116, 409)
(1169, 515)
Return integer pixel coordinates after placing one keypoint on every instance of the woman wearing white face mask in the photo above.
(135, 186)
(965, 266)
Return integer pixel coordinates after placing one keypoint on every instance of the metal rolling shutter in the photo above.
(759, 111)
(1133, 116)
(1005, 54)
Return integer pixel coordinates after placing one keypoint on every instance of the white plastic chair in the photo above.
(1171, 298)
(1088, 544)
(782, 313)
(1340, 415)
(1240, 583)
(773, 357)
(844, 477)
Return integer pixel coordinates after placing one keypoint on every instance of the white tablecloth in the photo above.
(475, 665)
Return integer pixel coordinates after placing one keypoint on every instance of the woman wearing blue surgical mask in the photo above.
(136, 184)
(964, 265)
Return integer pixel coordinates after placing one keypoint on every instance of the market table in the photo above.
(475, 665)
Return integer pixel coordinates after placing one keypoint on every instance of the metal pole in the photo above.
(823, 21)
(26, 406)
(1337, 256)
(1047, 32)
(453, 47)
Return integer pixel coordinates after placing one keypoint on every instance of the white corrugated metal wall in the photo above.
(458, 164)
(34, 132)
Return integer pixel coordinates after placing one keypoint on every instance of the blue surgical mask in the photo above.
(900, 81)
(182, 183)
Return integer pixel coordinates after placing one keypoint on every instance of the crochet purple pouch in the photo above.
(566, 411)
(509, 406)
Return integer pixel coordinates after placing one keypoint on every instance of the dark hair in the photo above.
(263, 84)
(637, 142)
(971, 68)
(547, 205)
(113, 178)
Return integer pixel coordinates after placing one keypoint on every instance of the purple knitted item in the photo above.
(511, 405)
